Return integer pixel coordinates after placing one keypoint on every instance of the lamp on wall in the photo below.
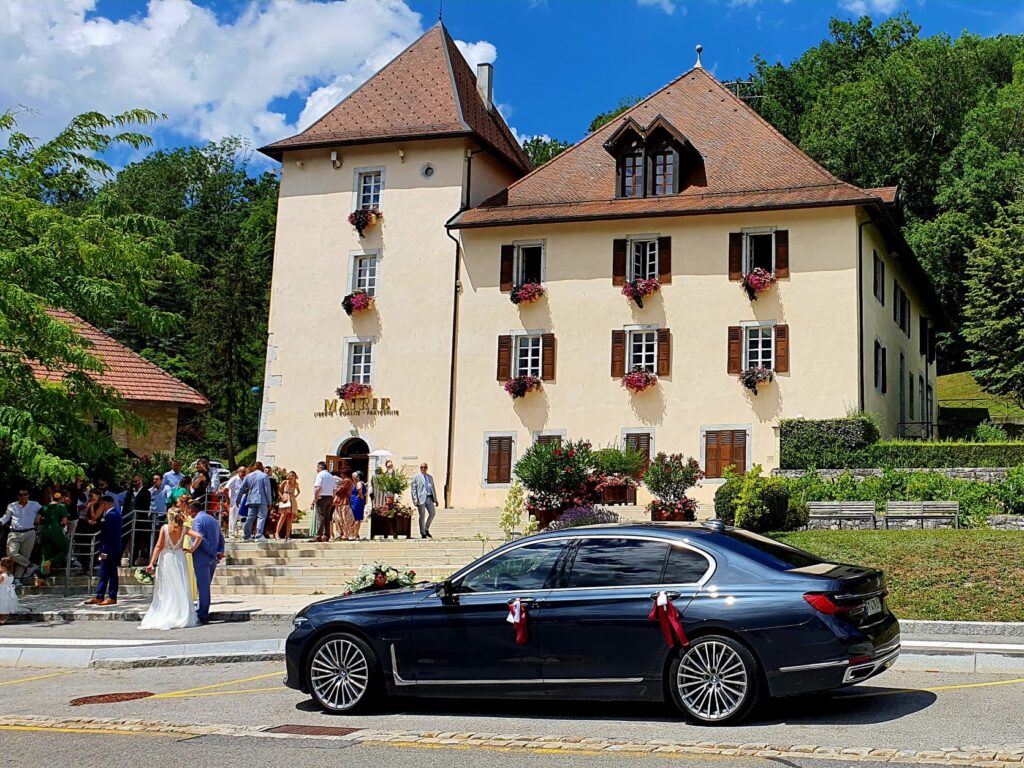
(401, 155)
(335, 160)
(300, 164)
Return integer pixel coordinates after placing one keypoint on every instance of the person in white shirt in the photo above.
(23, 517)
(323, 496)
(234, 493)
(173, 476)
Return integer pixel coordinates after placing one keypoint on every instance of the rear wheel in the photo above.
(343, 673)
(715, 681)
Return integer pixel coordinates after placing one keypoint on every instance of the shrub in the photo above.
(396, 483)
(1010, 492)
(726, 496)
(583, 515)
(920, 454)
(762, 504)
(669, 476)
(612, 461)
(987, 432)
(824, 443)
(557, 477)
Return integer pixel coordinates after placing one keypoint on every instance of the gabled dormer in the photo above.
(655, 161)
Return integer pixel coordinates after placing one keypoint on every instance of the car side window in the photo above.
(520, 569)
(618, 563)
(684, 566)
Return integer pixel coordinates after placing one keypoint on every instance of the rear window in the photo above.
(771, 553)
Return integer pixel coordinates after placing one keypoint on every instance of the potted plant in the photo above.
(616, 474)
(557, 477)
(364, 218)
(758, 280)
(521, 386)
(752, 378)
(391, 519)
(668, 477)
(638, 380)
(527, 293)
(357, 301)
(636, 290)
(353, 390)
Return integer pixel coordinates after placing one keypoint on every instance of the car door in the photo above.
(466, 639)
(596, 624)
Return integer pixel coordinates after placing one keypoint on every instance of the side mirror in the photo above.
(446, 592)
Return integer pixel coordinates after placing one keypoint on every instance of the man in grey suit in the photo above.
(256, 489)
(424, 496)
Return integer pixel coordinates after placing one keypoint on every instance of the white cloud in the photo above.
(212, 78)
(668, 6)
(870, 7)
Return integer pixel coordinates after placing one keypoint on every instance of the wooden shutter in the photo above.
(885, 371)
(549, 440)
(665, 260)
(734, 354)
(505, 460)
(739, 450)
(664, 352)
(782, 253)
(508, 258)
(618, 354)
(782, 349)
(897, 305)
(735, 255)
(547, 360)
(504, 358)
(712, 463)
(618, 262)
(641, 443)
(725, 453)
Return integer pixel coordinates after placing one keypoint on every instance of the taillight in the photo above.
(825, 604)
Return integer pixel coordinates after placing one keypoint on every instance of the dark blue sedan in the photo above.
(759, 619)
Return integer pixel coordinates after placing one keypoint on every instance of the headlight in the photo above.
(299, 621)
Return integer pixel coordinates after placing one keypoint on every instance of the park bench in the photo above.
(855, 514)
(922, 512)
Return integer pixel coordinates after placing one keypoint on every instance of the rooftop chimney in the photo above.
(485, 84)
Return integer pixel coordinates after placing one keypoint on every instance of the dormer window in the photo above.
(654, 161)
(664, 175)
(633, 173)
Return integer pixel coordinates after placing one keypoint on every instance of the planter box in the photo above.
(679, 517)
(399, 525)
(619, 494)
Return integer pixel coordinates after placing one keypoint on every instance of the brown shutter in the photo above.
(665, 260)
(931, 345)
(782, 253)
(618, 354)
(508, 257)
(712, 465)
(547, 357)
(664, 352)
(493, 455)
(505, 460)
(618, 262)
(735, 255)
(725, 452)
(782, 349)
(641, 443)
(504, 358)
(922, 336)
(885, 371)
(739, 451)
(555, 440)
(735, 350)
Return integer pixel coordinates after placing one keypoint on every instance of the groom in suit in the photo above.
(205, 559)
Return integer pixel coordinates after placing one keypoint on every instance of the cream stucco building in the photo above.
(689, 188)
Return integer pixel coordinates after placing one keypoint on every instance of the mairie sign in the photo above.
(360, 406)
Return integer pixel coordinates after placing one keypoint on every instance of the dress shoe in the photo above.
(108, 601)
(428, 535)
(94, 601)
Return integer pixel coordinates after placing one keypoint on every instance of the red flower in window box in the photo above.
(364, 218)
(521, 386)
(754, 377)
(357, 301)
(527, 293)
(636, 290)
(638, 380)
(758, 280)
(353, 390)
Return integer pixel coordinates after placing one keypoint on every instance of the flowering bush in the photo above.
(364, 218)
(521, 386)
(557, 477)
(527, 293)
(751, 377)
(758, 280)
(638, 380)
(586, 514)
(394, 509)
(669, 476)
(353, 390)
(637, 289)
(356, 301)
(380, 576)
(681, 510)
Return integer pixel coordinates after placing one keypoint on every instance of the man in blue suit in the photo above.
(205, 559)
(109, 553)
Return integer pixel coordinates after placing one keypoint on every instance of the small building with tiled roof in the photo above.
(149, 392)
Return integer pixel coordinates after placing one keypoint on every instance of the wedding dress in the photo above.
(172, 606)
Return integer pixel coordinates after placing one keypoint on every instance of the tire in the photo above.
(715, 680)
(344, 674)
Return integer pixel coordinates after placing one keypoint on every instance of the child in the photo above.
(8, 598)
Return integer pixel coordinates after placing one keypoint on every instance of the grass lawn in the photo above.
(962, 386)
(966, 575)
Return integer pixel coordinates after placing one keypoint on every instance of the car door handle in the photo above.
(526, 602)
(669, 595)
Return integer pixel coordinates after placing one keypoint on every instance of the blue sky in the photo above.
(264, 69)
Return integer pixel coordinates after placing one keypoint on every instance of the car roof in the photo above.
(640, 528)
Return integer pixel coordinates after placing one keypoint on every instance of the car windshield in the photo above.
(771, 553)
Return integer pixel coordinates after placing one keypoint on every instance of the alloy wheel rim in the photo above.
(339, 673)
(712, 680)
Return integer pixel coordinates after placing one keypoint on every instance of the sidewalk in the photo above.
(130, 608)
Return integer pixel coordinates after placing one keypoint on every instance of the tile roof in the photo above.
(748, 165)
(428, 90)
(134, 377)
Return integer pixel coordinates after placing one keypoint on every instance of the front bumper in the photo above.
(294, 654)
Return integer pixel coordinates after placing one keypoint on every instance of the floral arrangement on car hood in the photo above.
(636, 290)
(753, 377)
(380, 576)
(364, 218)
(521, 386)
(527, 293)
(357, 301)
(638, 380)
(758, 280)
(353, 390)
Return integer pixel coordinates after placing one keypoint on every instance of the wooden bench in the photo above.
(922, 512)
(862, 512)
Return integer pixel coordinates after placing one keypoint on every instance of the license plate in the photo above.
(873, 606)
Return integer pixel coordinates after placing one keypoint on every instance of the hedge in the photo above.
(824, 443)
(918, 454)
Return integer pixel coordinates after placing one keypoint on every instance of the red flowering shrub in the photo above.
(680, 510)
(353, 390)
(636, 290)
(638, 380)
(356, 301)
(668, 477)
(758, 280)
(527, 293)
(521, 386)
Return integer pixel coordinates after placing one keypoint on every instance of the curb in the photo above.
(965, 628)
(135, 615)
(181, 661)
(139, 656)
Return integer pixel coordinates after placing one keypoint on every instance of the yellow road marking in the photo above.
(35, 677)
(86, 731)
(185, 691)
(959, 687)
(219, 693)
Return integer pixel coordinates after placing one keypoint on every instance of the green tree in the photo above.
(606, 117)
(540, 149)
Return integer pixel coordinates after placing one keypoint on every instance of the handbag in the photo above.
(285, 505)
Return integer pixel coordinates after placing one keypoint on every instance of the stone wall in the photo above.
(161, 429)
(985, 474)
(1006, 522)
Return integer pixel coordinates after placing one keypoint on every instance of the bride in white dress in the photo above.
(172, 606)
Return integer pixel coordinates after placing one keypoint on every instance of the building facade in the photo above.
(688, 193)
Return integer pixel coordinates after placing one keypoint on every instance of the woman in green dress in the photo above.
(53, 543)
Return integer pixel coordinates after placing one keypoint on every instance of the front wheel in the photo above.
(715, 681)
(343, 674)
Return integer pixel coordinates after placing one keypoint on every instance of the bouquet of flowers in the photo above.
(143, 576)
(380, 576)
(353, 390)
(638, 380)
(527, 293)
(758, 280)
(637, 289)
(356, 301)
(520, 386)
(752, 377)
(683, 509)
(364, 218)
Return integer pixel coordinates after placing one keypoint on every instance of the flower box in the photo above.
(618, 494)
(357, 301)
(353, 391)
(394, 526)
(758, 280)
(638, 380)
(680, 511)
(752, 378)
(636, 290)
(527, 293)
(521, 386)
(364, 218)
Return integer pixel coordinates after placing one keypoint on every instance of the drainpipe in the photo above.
(860, 313)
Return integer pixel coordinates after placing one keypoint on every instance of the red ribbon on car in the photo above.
(517, 618)
(665, 613)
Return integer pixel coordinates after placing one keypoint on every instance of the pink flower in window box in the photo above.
(364, 218)
(752, 378)
(521, 386)
(527, 293)
(636, 290)
(638, 380)
(353, 391)
(357, 301)
(758, 280)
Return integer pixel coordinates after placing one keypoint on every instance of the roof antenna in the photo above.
(700, 50)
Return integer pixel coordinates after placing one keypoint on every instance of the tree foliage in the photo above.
(606, 117)
(540, 149)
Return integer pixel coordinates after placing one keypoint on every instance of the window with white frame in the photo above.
(360, 362)
(759, 346)
(529, 263)
(759, 250)
(643, 261)
(364, 273)
(643, 350)
(528, 356)
(369, 185)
